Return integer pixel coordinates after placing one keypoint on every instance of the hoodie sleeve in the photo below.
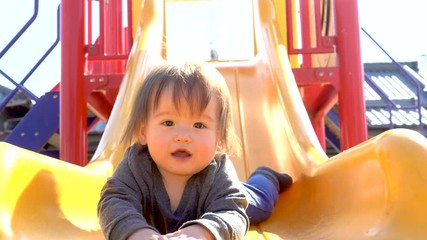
(120, 206)
(224, 213)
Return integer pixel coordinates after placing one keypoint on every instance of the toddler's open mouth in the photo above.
(181, 154)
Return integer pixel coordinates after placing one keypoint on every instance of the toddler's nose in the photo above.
(182, 139)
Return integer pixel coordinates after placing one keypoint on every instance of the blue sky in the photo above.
(194, 39)
(31, 46)
(398, 25)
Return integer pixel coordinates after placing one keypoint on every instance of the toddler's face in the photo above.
(181, 143)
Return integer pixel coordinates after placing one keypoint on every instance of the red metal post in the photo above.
(318, 120)
(351, 102)
(305, 32)
(73, 111)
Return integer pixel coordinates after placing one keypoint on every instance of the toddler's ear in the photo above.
(220, 146)
(141, 135)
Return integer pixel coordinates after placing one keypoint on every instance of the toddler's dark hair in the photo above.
(194, 84)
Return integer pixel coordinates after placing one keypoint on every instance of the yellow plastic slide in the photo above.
(376, 190)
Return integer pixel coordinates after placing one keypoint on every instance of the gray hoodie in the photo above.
(135, 197)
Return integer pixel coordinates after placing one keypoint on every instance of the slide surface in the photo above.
(376, 190)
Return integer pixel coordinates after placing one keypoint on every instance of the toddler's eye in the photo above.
(167, 123)
(199, 125)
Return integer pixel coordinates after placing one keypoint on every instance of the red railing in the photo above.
(323, 86)
(92, 67)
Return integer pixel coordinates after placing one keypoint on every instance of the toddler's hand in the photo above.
(192, 232)
(146, 234)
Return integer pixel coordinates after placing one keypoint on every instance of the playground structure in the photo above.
(374, 190)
